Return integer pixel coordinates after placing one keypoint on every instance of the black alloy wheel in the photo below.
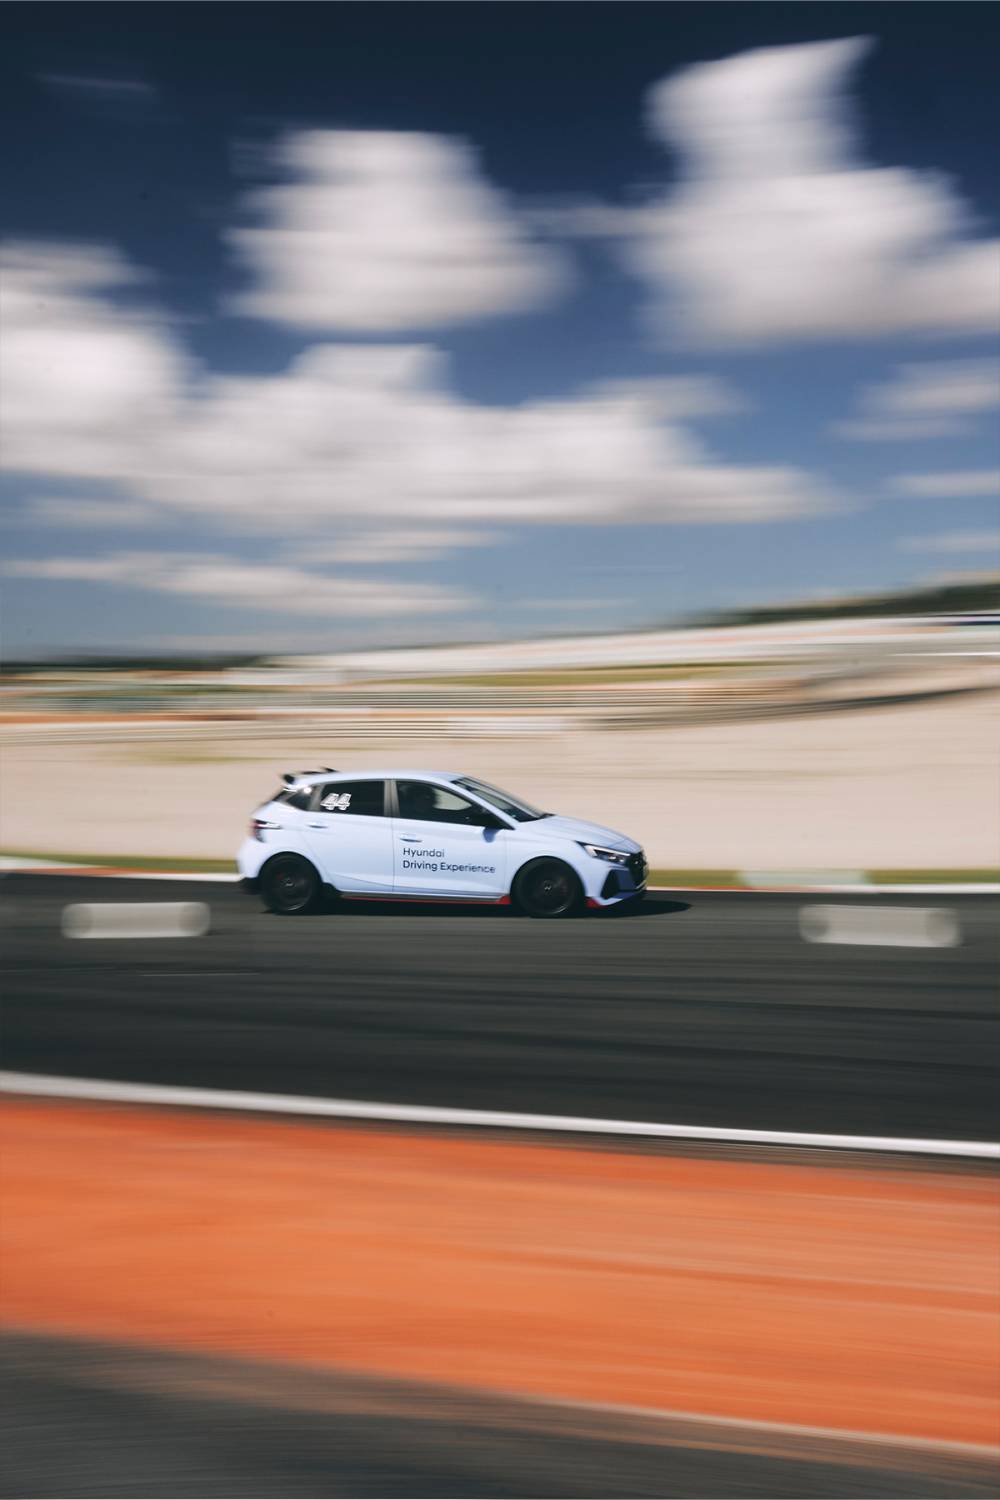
(290, 886)
(548, 888)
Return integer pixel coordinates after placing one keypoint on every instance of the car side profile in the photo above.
(409, 835)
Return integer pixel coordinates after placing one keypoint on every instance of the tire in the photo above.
(290, 886)
(548, 888)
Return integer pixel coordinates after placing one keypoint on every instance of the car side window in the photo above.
(435, 804)
(365, 799)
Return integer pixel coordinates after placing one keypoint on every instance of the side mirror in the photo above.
(486, 819)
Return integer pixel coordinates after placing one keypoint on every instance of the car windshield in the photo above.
(521, 812)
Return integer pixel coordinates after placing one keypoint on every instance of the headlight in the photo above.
(610, 856)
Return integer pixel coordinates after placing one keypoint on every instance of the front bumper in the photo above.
(612, 884)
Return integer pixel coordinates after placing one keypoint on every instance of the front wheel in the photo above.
(290, 886)
(548, 888)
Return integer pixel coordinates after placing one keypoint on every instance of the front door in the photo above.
(350, 837)
(440, 847)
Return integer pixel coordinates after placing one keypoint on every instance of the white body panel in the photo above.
(575, 830)
(352, 854)
(435, 859)
(414, 857)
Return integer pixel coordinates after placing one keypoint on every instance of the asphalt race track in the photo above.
(702, 1009)
(125, 1422)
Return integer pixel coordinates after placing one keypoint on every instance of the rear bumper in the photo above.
(250, 857)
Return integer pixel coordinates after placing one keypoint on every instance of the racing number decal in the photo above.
(336, 802)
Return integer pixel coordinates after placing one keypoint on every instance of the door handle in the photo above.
(405, 840)
(319, 825)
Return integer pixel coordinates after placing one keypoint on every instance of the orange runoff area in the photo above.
(859, 1299)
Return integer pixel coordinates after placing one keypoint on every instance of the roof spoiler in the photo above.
(290, 777)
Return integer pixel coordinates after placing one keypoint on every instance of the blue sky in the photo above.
(345, 324)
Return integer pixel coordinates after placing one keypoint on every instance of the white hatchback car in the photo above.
(430, 836)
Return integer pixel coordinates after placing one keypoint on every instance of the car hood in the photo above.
(581, 832)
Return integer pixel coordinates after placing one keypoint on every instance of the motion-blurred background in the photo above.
(603, 400)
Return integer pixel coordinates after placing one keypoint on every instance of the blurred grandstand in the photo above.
(813, 658)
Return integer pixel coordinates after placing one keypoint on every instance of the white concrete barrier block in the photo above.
(881, 926)
(136, 919)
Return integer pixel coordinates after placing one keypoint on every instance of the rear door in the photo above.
(350, 836)
(440, 847)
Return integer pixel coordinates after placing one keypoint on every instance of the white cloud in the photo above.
(958, 385)
(966, 483)
(88, 86)
(357, 436)
(382, 231)
(954, 541)
(926, 400)
(391, 544)
(375, 432)
(585, 606)
(84, 514)
(88, 389)
(680, 397)
(276, 587)
(777, 230)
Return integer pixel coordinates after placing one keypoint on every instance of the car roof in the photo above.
(404, 773)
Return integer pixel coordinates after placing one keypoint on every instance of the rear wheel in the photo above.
(290, 886)
(548, 888)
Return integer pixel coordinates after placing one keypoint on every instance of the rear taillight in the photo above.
(257, 827)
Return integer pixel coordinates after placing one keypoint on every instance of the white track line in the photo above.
(10, 866)
(738, 1425)
(971, 888)
(173, 875)
(106, 1091)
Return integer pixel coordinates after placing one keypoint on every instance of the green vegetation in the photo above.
(210, 662)
(980, 595)
(160, 863)
(934, 877)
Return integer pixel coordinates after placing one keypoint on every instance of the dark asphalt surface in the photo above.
(703, 1009)
(120, 1422)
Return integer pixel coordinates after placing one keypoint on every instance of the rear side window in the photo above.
(365, 799)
